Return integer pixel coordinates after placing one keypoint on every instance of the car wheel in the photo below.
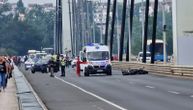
(86, 72)
(33, 71)
(109, 72)
(42, 71)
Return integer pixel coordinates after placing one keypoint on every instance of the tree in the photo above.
(20, 7)
(44, 22)
(34, 32)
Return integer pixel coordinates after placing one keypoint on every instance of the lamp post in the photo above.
(142, 23)
(58, 36)
(129, 38)
(164, 29)
(71, 30)
(118, 30)
(56, 29)
(93, 25)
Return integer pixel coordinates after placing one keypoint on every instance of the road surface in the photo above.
(100, 92)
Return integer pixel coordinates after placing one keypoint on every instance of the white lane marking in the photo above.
(92, 94)
(151, 87)
(174, 92)
(191, 96)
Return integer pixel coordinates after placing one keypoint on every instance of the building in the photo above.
(167, 4)
(182, 31)
(168, 7)
(21, 17)
(13, 7)
(100, 12)
(47, 6)
(2, 2)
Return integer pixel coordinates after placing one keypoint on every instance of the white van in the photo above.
(95, 58)
(140, 57)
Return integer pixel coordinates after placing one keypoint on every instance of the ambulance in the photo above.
(95, 58)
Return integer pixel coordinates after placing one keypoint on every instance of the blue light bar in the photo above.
(90, 44)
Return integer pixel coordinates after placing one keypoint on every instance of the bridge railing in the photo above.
(166, 69)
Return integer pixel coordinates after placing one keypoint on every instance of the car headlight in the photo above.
(90, 67)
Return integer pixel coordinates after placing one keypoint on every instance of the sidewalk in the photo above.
(8, 99)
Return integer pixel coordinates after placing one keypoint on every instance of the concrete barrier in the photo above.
(27, 98)
(166, 69)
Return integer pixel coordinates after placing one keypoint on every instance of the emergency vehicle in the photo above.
(95, 59)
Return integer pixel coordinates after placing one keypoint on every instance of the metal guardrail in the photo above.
(166, 69)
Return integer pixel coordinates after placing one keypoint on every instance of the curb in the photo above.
(27, 97)
(36, 95)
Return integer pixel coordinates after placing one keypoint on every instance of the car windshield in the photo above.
(44, 61)
(147, 55)
(29, 60)
(39, 61)
(99, 55)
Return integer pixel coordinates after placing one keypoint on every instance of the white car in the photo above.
(73, 62)
(28, 64)
(140, 57)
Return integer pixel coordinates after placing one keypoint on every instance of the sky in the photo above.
(34, 1)
(48, 1)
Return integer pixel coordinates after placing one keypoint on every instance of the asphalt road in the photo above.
(100, 92)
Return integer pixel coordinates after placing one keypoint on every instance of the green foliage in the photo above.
(136, 39)
(34, 32)
(20, 7)
(44, 22)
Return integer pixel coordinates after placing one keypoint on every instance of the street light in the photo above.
(164, 29)
(142, 22)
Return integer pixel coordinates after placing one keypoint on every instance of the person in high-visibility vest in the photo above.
(62, 64)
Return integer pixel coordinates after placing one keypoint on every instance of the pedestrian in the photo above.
(51, 64)
(10, 67)
(3, 72)
(7, 71)
(58, 62)
(62, 64)
(67, 61)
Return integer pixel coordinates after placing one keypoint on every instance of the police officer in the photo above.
(51, 64)
(62, 64)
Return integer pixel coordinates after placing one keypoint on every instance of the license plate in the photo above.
(28, 65)
(99, 70)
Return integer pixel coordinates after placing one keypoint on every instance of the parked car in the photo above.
(40, 66)
(140, 57)
(28, 64)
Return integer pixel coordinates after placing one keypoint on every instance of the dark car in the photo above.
(40, 66)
